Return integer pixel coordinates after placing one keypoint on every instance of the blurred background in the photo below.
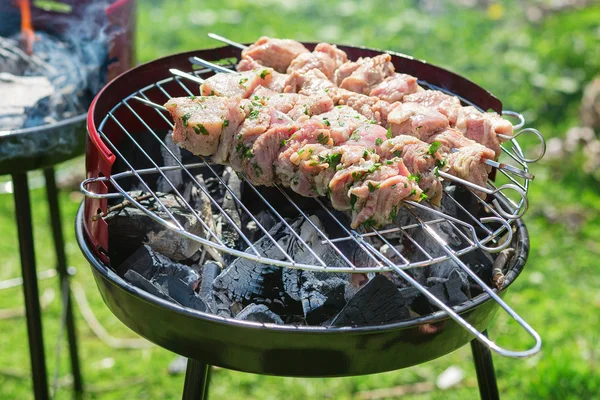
(540, 57)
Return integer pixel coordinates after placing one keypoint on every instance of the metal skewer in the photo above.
(225, 40)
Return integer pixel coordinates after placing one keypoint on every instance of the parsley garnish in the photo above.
(200, 129)
(372, 187)
(414, 177)
(242, 81)
(389, 132)
(322, 139)
(264, 73)
(374, 168)
(356, 175)
(355, 135)
(389, 162)
(378, 141)
(212, 92)
(413, 192)
(300, 151)
(225, 123)
(398, 153)
(326, 90)
(185, 119)
(353, 199)
(253, 113)
(192, 97)
(394, 213)
(433, 148)
(283, 143)
(334, 159)
(245, 151)
(440, 164)
(326, 122)
(257, 169)
(370, 222)
(423, 197)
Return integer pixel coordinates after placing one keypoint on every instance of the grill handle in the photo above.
(451, 313)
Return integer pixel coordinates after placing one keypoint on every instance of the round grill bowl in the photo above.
(287, 350)
(253, 347)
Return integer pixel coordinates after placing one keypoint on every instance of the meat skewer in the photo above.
(395, 86)
(399, 115)
(333, 155)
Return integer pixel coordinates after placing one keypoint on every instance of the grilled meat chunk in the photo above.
(326, 58)
(420, 158)
(275, 53)
(200, 122)
(415, 120)
(240, 84)
(363, 75)
(395, 87)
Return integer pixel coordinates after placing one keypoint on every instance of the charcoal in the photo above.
(229, 235)
(153, 266)
(246, 280)
(174, 177)
(143, 283)
(210, 271)
(184, 294)
(259, 313)
(129, 228)
(321, 299)
(378, 302)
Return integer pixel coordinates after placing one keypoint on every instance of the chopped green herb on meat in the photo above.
(433, 148)
(389, 132)
(372, 187)
(378, 141)
(321, 138)
(264, 73)
(225, 123)
(414, 177)
(185, 119)
(353, 199)
(200, 129)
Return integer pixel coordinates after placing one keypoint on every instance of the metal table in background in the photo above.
(22, 151)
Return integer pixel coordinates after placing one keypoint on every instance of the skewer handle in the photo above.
(225, 40)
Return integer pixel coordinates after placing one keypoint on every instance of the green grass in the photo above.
(539, 69)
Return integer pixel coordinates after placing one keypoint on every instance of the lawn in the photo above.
(539, 66)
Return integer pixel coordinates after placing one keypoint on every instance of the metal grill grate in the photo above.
(490, 231)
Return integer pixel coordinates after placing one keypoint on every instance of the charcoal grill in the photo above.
(119, 114)
(41, 147)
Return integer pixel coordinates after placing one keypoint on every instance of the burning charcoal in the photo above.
(378, 302)
(185, 295)
(129, 228)
(143, 283)
(259, 313)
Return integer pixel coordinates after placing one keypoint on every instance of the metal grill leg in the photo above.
(61, 261)
(30, 287)
(484, 366)
(197, 376)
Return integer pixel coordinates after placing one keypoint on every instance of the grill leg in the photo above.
(484, 366)
(30, 287)
(61, 261)
(197, 376)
